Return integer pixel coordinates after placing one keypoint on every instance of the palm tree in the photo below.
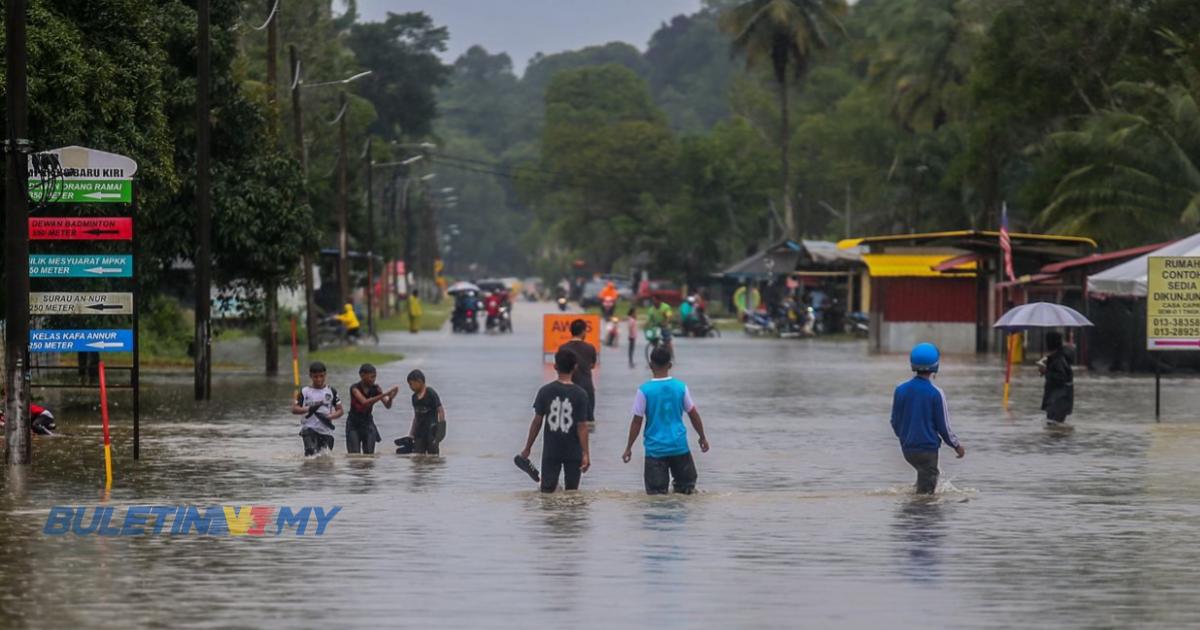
(787, 34)
(1133, 173)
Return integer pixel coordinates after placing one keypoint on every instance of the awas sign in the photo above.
(556, 330)
(1173, 303)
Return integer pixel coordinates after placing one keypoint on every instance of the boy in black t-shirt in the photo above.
(361, 433)
(563, 406)
(429, 416)
(585, 362)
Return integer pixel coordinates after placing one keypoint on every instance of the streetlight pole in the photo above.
(310, 307)
(17, 440)
(370, 242)
(343, 239)
(203, 341)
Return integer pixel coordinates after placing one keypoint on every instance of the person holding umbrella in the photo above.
(1058, 395)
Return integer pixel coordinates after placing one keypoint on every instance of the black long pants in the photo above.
(926, 465)
(570, 469)
(360, 437)
(315, 442)
(660, 471)
(632, 345)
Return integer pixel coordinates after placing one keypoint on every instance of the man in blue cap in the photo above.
(921, 418)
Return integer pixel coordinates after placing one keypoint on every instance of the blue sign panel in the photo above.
(98, 340)
(80, 266)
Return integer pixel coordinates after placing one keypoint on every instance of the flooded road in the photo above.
(805, 517)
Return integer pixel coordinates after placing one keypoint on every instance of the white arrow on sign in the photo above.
(106, 344)
(102, 195)
(102, 270)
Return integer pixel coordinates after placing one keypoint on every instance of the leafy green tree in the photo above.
(401, 53)
(787, 35)
(607, 156)
(690, 71)
(1135, 171)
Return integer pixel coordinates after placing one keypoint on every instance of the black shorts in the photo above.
(660, 471)
(570, 470)
(315, 442)
(423, 442)
(361, 436)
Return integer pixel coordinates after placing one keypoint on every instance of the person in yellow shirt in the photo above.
(349, 320)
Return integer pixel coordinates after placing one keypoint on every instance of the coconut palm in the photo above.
(786, 34)
(1133, 172)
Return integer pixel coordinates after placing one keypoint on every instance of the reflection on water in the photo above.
(805, 516)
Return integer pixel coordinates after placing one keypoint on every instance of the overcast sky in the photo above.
(524, 27)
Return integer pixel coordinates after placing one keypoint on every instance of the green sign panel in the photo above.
(82, 191)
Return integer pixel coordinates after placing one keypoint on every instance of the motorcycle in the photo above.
(699, 325)
(608, 308)
(612, 332)
(331, 331)
(759, 324)
(464, 318)
(858, 324)
(562, 303)
(506, 318)
(500, 319)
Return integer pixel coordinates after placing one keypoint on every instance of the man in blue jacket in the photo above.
(921, 418)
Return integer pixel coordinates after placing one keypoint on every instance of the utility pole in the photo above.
(310, 307)
(370, 242)
(410, 275)
(273, 8)
(343, 239)
(272, 290)
(203, 341)
(16, 246)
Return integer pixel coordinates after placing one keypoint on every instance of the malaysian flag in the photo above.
(1006, 243)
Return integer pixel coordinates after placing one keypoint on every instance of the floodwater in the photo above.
(805, 516)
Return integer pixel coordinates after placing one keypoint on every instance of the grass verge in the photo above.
(433, 317)
(352, 356)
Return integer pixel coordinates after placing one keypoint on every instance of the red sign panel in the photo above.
(80, 229)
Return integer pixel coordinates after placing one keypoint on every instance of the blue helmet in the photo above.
(924, 357)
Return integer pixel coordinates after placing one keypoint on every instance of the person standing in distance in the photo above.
(921, 418)
(585, 361)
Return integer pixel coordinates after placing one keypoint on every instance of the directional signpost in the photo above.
(83, 191)
(42, 303)
(80, 229)
(80, 266)
(87, 340)
(78, 176)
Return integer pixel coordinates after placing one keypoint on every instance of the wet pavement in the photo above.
(805, 516)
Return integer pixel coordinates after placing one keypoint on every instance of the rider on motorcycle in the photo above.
(349, 321)
(659, 317)
(491, 305)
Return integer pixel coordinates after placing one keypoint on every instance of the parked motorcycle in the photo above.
(858, 324)
(759, 324)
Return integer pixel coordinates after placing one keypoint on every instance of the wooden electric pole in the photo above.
(16, 241)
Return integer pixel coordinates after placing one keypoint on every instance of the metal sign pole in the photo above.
(136, 375)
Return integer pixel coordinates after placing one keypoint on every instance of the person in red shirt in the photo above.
(41, 421)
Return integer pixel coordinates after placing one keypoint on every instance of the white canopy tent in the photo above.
(1128, 279)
